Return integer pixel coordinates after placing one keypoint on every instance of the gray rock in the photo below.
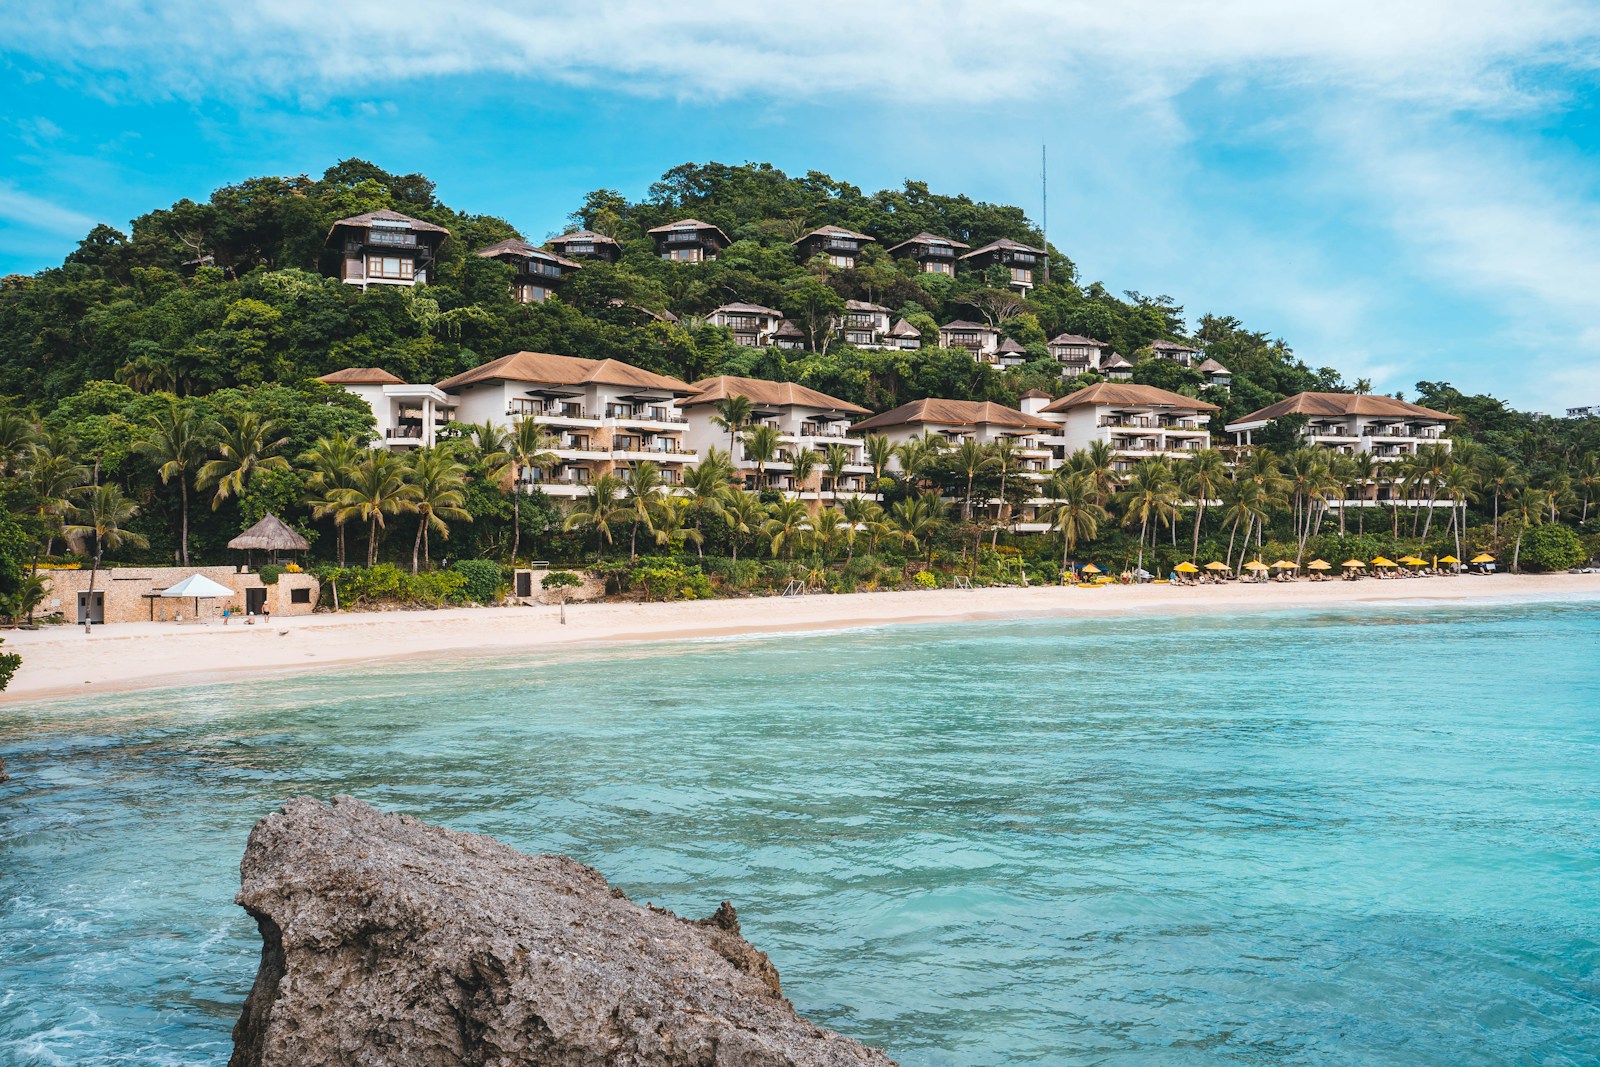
(389, 941)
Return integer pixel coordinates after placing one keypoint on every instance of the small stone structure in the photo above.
(388, 941)
(130, 594)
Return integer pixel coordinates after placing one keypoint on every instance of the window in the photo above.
(382, 237)
(532, 294)
(842, 261)
(299, 596)
(858, 337)
(398, 268)
(938, 268)
(1022, 276)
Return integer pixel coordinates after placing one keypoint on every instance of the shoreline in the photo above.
(61, 663)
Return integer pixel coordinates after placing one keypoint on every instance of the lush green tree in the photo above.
(439, 481)
(378, 490)
(179, 441)
(104, 516)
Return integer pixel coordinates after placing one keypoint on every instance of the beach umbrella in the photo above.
(1319, 565)
(1186, 568)
(1215, 566)
(1352, 564)
(1256, 565)
(200, 588)
(1283, 564)
(1383, 561)
(1090, 568)
(1483, 557)
(1448, 559)
(1413, 561)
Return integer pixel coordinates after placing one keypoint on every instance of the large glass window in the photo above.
(398, 268)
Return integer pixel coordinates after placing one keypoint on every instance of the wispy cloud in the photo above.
(36, 213)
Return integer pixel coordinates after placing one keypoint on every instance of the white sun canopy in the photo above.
(199, 586)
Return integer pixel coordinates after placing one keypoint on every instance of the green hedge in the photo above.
(486, 580)
(388, 584)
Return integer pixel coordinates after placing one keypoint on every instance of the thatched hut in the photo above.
(272, 535)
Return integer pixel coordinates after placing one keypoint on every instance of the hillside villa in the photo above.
(1018, 259)
(689, 241)
(840, 245)
(866, 325)
(536, 272)
(1387, 428)
(1137, 421)
(1077, 354)
(586, 244)
(753, 325)
(982, 341)
(1179, 353)
(932, 253)
(384, 248)
(407, 415)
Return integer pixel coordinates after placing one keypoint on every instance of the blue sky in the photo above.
(1399, 194)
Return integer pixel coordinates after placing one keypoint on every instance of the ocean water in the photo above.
(1360, 838)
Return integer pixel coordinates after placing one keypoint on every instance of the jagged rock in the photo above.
(385, 940)
(4, 777)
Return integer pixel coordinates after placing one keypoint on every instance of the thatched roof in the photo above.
(271, 534)
(365, 221)
(515, 247)
(926, 238)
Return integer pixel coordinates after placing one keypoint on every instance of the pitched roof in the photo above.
(955, 413)
(964, 324)
(1116, 361)
(1325, 404)
(581, 235)
(687, 224)
(564, 370)
(1211, 366)
(1034, 393)
(514, 246)
(1011, 345)
(366, 220)
(902, 328)
(767, 394)
(786, 328)
(739, 307)
(1004, 244)
(361, 376)
(926, 238)
(272, 534)
(1076, 339)
(1126, 394)
(862, 305)
(1171, 346)
(836, 231)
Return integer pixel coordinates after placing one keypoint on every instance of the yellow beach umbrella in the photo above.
(1283, 563)
(1352, 564)
(1319, 565)
(1483, 557)
(1256, 565)
(1448, 559)
(1383, 561)
(1215, 566)
(1090, 568)
(1413, 561)
(1186, 568)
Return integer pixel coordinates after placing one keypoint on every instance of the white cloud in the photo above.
(35, 213)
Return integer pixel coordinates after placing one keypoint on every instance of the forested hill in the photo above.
(132, 308)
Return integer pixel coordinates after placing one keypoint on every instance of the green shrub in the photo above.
(9, 662)
(668, 579)
(484, 579)
(561, 580)
(269, 573)
(386, 584)
(1551, 548)
(925, 580)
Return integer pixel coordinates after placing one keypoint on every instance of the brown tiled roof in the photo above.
(1125, 394)
(836, 231)
(767, 394)
(902, 328)
(687, 224)
(1032, 394)
(516, 247)
(955, 413)
(361, 376)
(926, 238)
(1076, 339)
(1325, 404)
(564, 370)
(1211, 366)
(388, 216)
(1171, 346)
(1116, 360)
(862, 305)
(963, 324)
(748, 309)
(582, 235)
(1006, 244)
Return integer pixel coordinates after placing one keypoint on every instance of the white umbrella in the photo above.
(200, 588)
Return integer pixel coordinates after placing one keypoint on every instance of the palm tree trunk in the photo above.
(516, 519)
(416, 545)
(94, 569)
(339, 526)
(426, 561)
(183, 536)
(372, 541)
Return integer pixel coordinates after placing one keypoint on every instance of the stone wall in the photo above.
(126, 592)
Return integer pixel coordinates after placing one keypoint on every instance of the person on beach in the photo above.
(226, 611)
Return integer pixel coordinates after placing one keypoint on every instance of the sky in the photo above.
(1400, 191)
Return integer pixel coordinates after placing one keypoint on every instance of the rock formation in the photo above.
(4, 777)
(389, 941)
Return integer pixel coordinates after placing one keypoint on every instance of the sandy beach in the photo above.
(64, 662)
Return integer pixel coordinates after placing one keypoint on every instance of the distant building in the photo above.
(840, 245)
(1116, 368)
(903, 335)
(982, 341)
(689, 241)
(753, 326)
(1010, 354)
(1137, 421)
(865, 325)
(1589, 412)
(1019, 259)
(934, 254)
(789, 336)
(1386, 428)
(586, 244)
(1180, 354)
(805, 420)
(385, 248)
(1215, 374)
(1077, 354)
(408, 416)
(537, 272)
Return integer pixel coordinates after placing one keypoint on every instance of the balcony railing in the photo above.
(683, 237)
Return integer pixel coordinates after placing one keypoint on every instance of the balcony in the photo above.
(1134, 421)
(683, 237)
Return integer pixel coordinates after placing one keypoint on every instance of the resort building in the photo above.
(932, 253)
(385, 248)
(1588, 411)
(586, 244)
(804, 418)
(1010, 354)
(982, 341)
(605, 415)
(689, 241)
(135, 594)
(1180, 354)
(753, 326)
(1116, 368)
(866, 325)
(840, 245)
(905, 336)
(1137, 421)
(408, 416)
(1077, 354)
(1215, 374)
(1382, 426)
(1018, 259)
(536, 272)
(788, 335)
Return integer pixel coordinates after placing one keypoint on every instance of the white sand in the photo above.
(62, 661)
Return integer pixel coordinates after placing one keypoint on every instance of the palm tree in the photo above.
(378, 489)
(972, 459)
(1099, 462)
(1361, 470)
(53, 474)
(733, 414)
(1203, 478)
(1432, 461)
(1006, 460)
(1151, 494)
(1363, 386)
(17, 435)
(837, 457)
(641, 491)
(1498, 475)
(787, 524)
(918, 518)
(1460, 485)
(802, 465)
(745, 514)
(1073, 511)
(104, 515)
(1588, 479)
(330, 462)
(705, 487)
(526, 448)
(879, 450)
(1526, 507)
(178, 443)
(671, 527)
(918, 454)
(858, 516)
(761, 446)
(1558, 488)
(440, 482)
(828, 528)
(244, 448)
(597, 510)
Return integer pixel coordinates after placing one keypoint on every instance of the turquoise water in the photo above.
(1291, 839)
